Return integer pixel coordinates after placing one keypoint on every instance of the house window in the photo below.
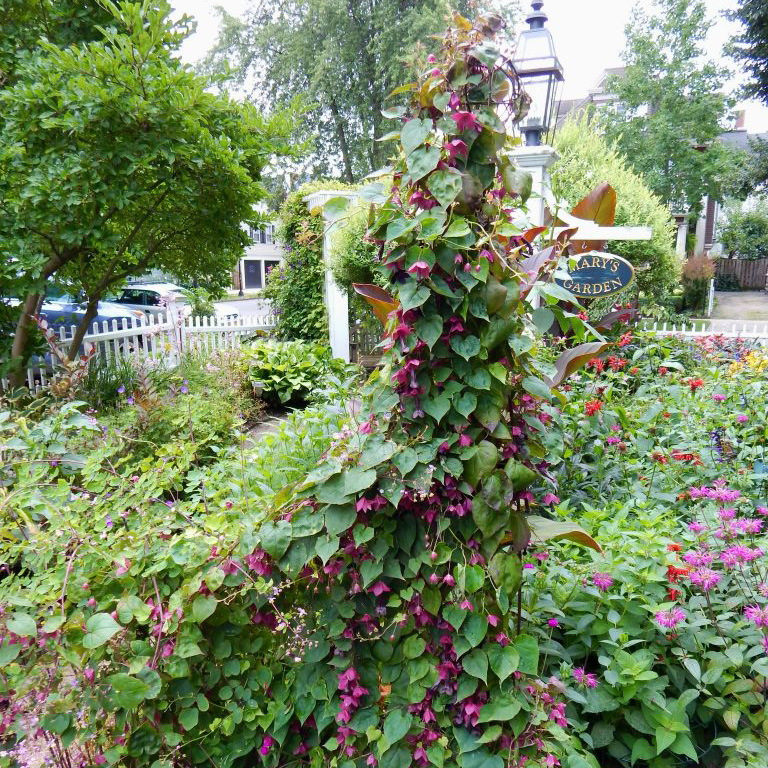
(263, 236)
(252, 275)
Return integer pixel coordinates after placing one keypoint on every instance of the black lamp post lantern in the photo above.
(541, 74)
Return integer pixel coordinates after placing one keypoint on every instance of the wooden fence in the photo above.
(751, 273)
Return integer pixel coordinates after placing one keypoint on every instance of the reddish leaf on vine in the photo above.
(381, 302)
(533, 265)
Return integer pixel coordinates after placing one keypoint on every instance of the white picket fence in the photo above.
(753, 331)
(161, 338)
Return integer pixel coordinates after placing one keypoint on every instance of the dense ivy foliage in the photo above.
(296, 287)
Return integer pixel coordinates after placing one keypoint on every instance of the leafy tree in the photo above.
(63, 22)
(116, 159)
(751, 46)
(343, 55)
(674, 105)
(587, 159)
(745, 234)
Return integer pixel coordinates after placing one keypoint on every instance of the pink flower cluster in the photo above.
(670, 619)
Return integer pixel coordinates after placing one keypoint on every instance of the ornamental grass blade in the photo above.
(381, 302)
(543, 530)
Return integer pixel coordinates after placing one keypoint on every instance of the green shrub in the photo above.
(288, 372)
(353, 259)
(745, 234)
(296, 287)
(586, 160)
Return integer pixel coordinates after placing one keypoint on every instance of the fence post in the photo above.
(711, 297)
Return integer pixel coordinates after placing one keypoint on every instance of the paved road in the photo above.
(739, 306)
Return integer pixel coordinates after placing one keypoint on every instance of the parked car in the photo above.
(154, 298)
(65, 311)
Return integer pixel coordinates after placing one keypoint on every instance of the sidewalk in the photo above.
(738, 306)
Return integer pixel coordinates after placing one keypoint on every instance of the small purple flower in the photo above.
(603, 581)
(121, 390)
(553, 623)
(129, 400)
(108, 521)
(184, 387)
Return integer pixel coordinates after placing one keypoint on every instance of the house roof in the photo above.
(740, 139)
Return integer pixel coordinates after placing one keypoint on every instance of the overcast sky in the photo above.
(588, 34)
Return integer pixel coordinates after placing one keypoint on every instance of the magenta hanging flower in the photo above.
(466, 121)
(421, 269)
(380, 588)
(550, 498)
(456, 148)
(266, 745)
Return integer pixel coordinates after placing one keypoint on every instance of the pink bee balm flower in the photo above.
(670, 619)
(431, 59)
(742, 417)
(718, 398)
(466, 121)
(380, 588)
(757, 615)
(421, 269)
(586, 679)
(603, 581)
(762, 511)
(705, 578)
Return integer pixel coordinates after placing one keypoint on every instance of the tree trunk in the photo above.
(342, 141)
(21, 336)
(91, 311)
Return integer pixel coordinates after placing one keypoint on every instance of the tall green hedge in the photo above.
(586, 160)
(296, 288)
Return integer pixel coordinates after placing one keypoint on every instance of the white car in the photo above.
(154, 299)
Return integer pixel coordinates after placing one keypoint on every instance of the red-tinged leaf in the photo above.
(543, 530)
(381, 302)
(532, 234)
(566, 235)
(598, 206)
(573, 359)
(606, 322)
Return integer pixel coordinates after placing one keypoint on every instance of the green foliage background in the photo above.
(745, 234)
(586, 160)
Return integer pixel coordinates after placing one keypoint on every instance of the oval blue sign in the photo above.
(598, 274)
